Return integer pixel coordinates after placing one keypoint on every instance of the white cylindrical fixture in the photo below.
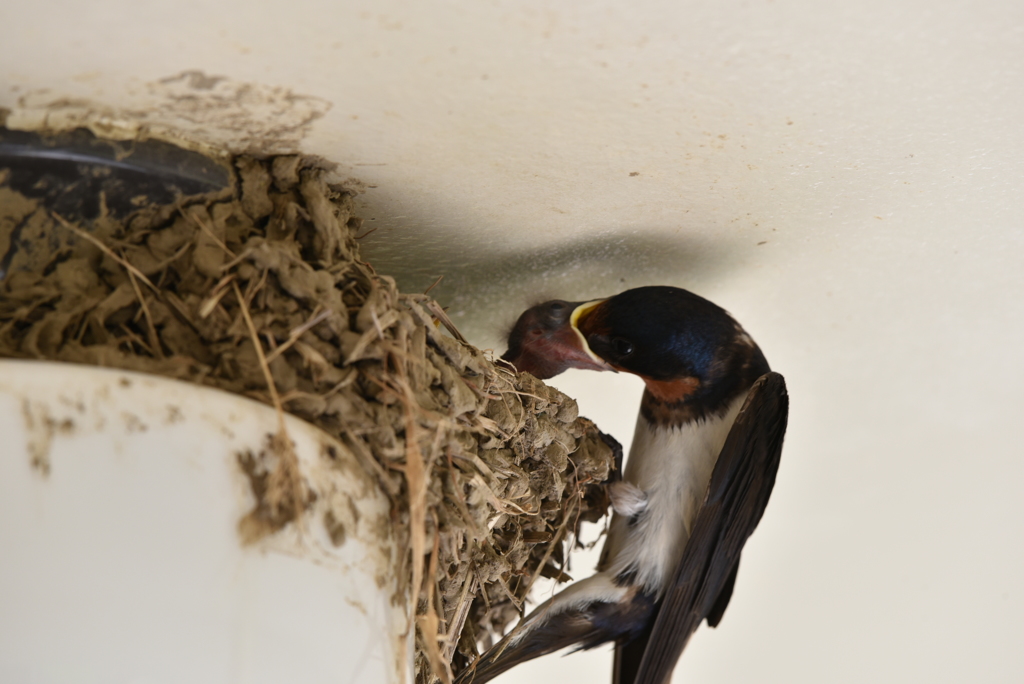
(120, 554)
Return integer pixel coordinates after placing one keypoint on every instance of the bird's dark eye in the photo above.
(622, 346)
(555, 312)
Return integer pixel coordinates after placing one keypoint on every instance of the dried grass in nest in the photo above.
(260, 290)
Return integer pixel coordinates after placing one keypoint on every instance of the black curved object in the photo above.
(70, 172)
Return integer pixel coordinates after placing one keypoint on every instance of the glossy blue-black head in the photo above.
(682, 345)
(662, 333)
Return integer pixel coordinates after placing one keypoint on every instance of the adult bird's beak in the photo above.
(547, 339)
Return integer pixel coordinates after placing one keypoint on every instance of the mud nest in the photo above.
(259, 289)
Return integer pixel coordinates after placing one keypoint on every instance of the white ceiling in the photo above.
(846, 178)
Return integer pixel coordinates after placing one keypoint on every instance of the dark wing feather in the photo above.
(628, 656)
(550, 636)
(740, 486)
(722, 602)
(595, 624)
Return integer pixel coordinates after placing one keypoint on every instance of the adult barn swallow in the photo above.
(699, 474)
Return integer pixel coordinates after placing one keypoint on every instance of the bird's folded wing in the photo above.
(740, 486)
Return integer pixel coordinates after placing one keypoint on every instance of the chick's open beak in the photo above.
(547, 340)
